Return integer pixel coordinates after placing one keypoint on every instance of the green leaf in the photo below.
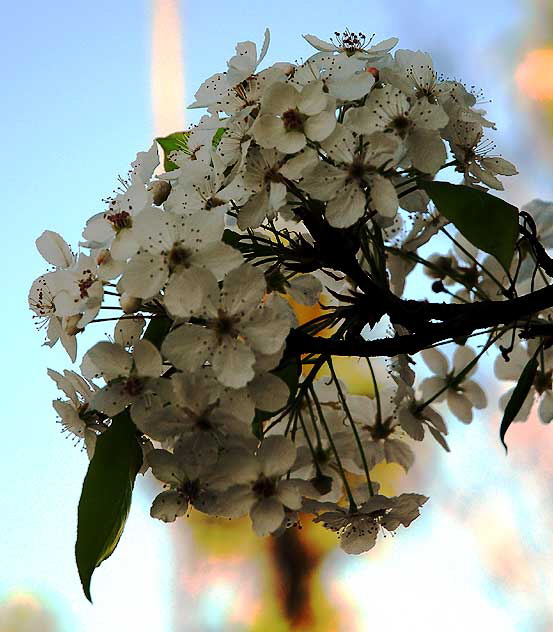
(217, 136)
(289, 370)
(106, 496)
(157, 329)
(177, 141)
(247, 244)
(518, 396)
(488, 222)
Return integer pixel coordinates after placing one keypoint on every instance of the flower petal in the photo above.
(128, 330)
(54, 249)
(277, 455)
(347, 207)
(188, 346)
(269, 392)
(168, 506)
(460, 406)
(145, 275)
(436, 361)
(233, 362)
(243, 289)
(165, 467)
(147, 359)
(109, 360)
(267, 516)
(320, 126)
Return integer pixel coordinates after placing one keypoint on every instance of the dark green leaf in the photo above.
(106, 496)
(177, 141)
(234, 239)
(488, 222)
(518, 396)
(289, 370)
(157, 329)
(247, 244)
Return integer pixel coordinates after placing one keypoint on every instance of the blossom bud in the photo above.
(373, 71)
(160, 190)
(129, 304)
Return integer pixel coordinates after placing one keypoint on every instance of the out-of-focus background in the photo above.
(86, 86)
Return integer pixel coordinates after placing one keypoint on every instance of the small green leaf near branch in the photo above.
(518, 396)
(177, 141)
(488, 222)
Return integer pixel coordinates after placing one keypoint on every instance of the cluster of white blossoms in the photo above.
(210, 263)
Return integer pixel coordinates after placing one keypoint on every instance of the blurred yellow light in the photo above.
(167, 70)
(534, 75)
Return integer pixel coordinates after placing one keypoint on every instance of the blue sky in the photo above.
(75, 110)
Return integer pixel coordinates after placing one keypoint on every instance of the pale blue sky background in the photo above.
(75, 110)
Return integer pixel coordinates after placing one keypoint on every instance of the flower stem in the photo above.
(352, 423)
(353, 506)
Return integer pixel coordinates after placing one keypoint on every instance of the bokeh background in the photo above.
(86, 86)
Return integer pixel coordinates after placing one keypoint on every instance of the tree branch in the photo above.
(466, 319)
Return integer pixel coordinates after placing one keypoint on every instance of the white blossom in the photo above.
(289, 117)
(353, 183)
(353, 45)
(358, 530)
(473, 156)
(130, 377)
(461, 397)
(237, 324)
(254, 484)
(171, 244)
(417, 124)
(76, 415)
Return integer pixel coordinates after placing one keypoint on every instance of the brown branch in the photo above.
(467, 319)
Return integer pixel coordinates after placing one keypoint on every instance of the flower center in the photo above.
(190, 489)
(225, 325)
(203, 422)
(134, 386)
(380, 430)
(179, 256)
(85, 283)
(264, 487)
(350, 42)
(119, 220)
(401, 125)
(357, 170)
(272, 175)
(293, 120)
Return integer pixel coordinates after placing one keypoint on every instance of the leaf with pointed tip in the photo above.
(488, 222)
(177, 141)
(232, 238)
(106, 496)
(518, 396)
